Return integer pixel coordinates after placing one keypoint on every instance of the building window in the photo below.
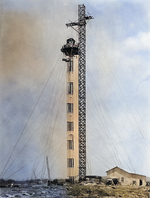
(69, 107)
(70, 162)
(122, 179)
(70, 126)
(70, 144)
(70, 88)
(70, 66)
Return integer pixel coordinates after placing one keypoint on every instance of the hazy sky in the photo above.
(33, 86)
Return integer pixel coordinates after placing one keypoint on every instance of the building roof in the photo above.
(124, 171)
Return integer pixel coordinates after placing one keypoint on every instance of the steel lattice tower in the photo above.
(82, 91)
(81, 29)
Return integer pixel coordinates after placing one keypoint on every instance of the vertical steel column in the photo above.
(82, 91)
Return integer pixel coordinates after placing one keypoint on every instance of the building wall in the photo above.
(126, 178)
(73, 117)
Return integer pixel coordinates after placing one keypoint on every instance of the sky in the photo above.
(33, 86)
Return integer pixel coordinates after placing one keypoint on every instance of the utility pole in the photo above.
(34, 174)
(81, 29)
(48, 170)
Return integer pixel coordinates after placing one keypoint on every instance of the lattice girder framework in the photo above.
(82, 91)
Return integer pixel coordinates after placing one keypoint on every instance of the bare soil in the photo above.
(108, 191)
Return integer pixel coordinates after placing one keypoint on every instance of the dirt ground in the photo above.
(108, 191)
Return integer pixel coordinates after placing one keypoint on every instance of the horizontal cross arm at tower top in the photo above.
(89, 17)
(72, 24)
(81, 20)
(80, 23)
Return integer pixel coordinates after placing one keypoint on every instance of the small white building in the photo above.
(126, 178)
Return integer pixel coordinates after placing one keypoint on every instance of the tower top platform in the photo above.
(71, 48)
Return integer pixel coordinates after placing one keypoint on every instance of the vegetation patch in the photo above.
(108, 191)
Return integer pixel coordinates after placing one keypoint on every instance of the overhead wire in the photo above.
(122, 95)
(130, 123)
(104, 129)
(104, 125)
(50, 137)
(23, 98)
(28, 119)
(47, 128)
(113, 92)
(110, 120)
(27, 142)
(29, 162)
(102, 101)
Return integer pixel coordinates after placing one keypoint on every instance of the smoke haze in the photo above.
(33, 86)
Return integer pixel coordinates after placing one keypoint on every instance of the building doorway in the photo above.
(141, 182)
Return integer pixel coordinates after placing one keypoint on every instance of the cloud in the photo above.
(119, 67)
(140, 42)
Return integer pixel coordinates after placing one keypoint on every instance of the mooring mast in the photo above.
(81, 29)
